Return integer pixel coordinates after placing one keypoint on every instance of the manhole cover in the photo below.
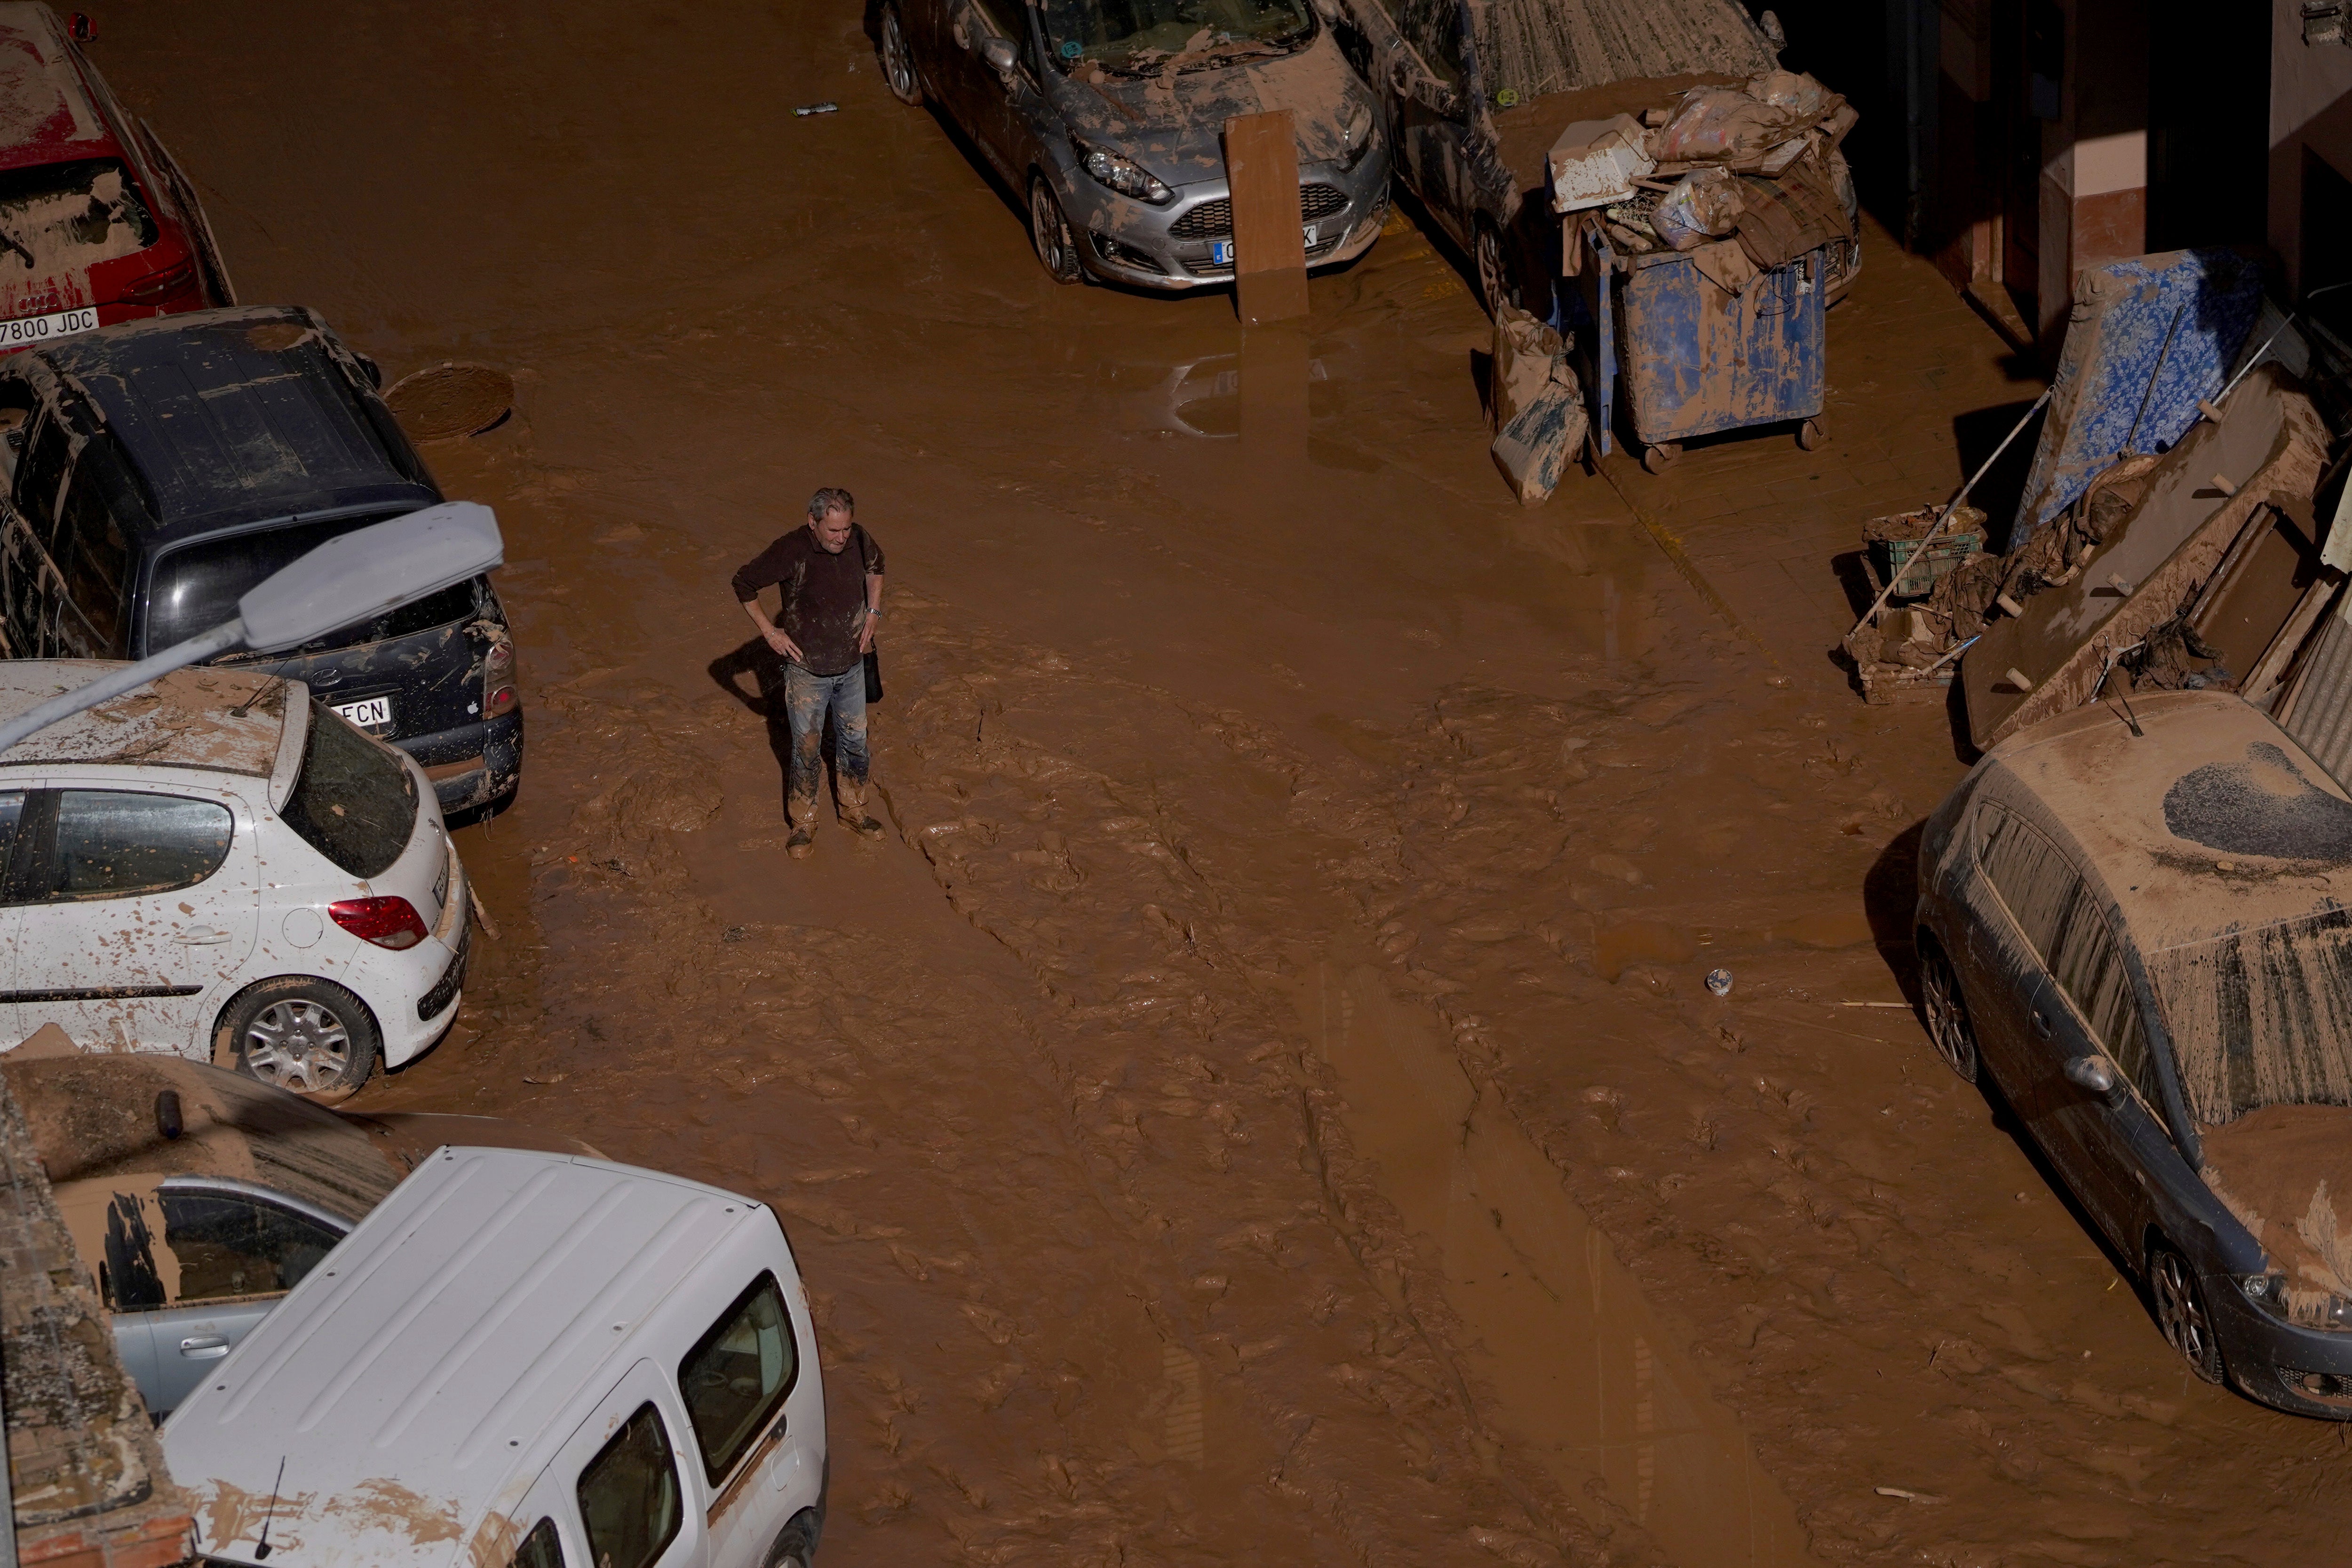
(451, 399)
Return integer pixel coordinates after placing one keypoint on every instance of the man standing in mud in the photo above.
(831, 574)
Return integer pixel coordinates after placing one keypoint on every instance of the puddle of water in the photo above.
(1581, 1377)
(1662, 942)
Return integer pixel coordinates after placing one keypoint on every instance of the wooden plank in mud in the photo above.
(1269, 247)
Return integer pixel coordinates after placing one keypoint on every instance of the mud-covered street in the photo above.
(1259, 1101)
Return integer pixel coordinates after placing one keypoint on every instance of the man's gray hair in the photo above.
(832, 498)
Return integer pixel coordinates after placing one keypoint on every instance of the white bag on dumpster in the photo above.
(1704, 204)
(1739, 126)
(1535, 448)
(1596, 162)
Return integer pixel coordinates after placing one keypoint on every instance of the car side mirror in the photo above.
(1000, 55)
(82, 29)
(2095, 1073)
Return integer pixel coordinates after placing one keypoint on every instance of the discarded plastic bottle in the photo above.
(1719, 982)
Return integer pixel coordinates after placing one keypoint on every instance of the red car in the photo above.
(96, 224)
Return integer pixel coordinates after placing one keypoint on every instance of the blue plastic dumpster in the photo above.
(1687, 358)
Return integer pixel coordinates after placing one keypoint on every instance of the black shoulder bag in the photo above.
(873, 655)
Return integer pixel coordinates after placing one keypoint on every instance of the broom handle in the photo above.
(1950, 507)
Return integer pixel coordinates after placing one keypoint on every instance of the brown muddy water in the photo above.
(1260, 1102)
(1584, 1373)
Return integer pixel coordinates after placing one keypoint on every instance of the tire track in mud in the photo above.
(1063, 816)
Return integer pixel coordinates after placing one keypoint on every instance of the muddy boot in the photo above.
(802, 814)
(853, 814)
(801, 844)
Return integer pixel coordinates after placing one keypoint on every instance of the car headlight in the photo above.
(1356, 135)
(2268, 1291)
(1123, 174)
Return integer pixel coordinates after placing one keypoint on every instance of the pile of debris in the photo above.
(2183, 527)
(1746, 178)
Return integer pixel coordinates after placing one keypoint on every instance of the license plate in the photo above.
(375, 714)
(26, 330)
(1221, 251)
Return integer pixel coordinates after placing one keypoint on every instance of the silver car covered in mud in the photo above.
(1106, 119)
(2138, 924)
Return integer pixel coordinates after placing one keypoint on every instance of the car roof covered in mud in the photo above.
(232, 417)
(217, 719)
(421, 1379)
(2211, 819)
(47, 112)
(93, 1118)
(1532, 47)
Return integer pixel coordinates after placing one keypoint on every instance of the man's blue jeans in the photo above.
(807, 700)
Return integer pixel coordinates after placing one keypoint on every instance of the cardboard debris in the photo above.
(1782, 219)
(1535, 447)
(1596, 162)
(1726, 265)
(1526, 349)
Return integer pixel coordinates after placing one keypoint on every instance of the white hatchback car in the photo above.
(218, 865)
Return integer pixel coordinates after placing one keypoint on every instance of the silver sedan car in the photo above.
(1106, 118)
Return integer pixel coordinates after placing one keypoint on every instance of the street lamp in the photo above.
(353, 577)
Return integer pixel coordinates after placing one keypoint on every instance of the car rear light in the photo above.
(499, 693)
(158, 287)
(387, 921)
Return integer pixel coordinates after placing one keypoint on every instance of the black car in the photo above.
(2139, 927)
(157, 470)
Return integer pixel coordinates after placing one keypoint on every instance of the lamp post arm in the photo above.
(129, 677)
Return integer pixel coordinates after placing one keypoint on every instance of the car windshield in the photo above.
(352, 802)
(1142, 38)
(196, 587)
(1532, 47)
(58, 216)
(2263, 1016)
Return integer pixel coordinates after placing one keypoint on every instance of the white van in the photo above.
(522, 1358)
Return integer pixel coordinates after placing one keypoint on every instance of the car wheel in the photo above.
(795, 1547)
(1049, 231)
(1945, 1010)
(2180, 1311)
(1495, 282)
(898, 60)
(309, 1036)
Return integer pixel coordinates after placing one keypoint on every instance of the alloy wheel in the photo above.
(2180, 1313)
(1049, 231)
(1947, 1011)
(297, 1045)
(897, 60)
